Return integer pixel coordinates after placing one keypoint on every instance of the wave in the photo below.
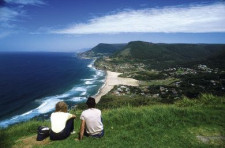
(79, 89)
(89, 82)
(78, 99)
(83, 93)
(74, 95)
(47, 106)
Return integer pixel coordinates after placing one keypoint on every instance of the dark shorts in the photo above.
(99, 135)
(95, 136)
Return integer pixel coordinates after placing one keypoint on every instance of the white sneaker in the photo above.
(73, 132)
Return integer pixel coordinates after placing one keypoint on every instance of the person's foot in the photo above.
(73, 132)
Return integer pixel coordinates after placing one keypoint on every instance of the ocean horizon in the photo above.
(31, 83)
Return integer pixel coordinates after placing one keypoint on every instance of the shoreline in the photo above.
(111, 80)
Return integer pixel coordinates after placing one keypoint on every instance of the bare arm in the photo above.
(82, 126)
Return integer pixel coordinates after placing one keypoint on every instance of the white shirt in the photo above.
(58, 121)
(92, 118)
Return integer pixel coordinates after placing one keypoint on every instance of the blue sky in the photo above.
(70, 25)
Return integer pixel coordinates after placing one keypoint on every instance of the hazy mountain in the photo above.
(103, 50)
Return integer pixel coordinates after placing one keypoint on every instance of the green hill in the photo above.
(165, 52)
(103, 50)
(218, 60)
(161, 56)
(187, 123)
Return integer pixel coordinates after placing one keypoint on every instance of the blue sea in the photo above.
(32, 83)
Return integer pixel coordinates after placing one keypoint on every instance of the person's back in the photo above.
(62, 122)
(58, 121)
(91, 121)
(92, 117)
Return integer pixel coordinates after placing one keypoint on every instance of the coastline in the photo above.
(111, 80)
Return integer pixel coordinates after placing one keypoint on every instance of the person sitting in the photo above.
(62, 122)
(91, 121)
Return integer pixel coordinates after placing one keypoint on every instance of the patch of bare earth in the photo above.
(211, 139)
(29, 142)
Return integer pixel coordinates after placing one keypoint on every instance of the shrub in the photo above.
(209, 99)
(185, 102)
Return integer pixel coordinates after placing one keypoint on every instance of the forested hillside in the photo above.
(170, 54)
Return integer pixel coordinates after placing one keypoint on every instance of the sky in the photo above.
(73, 25)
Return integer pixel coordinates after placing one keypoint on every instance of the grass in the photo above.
(179, 71)
(167, 81)
(148, 125)
(10, 135)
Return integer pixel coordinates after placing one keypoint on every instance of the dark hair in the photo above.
(61, 107)
(91, 102)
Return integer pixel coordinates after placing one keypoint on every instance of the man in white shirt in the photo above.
(91, 121)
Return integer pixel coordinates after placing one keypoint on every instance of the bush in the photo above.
(202, 100)
(185, 102)
(111, 101)
(209, 99)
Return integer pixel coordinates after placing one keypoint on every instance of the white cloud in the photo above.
(198, 18)
(26, 2)
(8, 15)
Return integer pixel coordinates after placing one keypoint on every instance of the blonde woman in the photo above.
(62, 122)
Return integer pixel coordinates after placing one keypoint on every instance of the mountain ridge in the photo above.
(147, 50)
(102, 49)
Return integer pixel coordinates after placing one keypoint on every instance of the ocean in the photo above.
(31, 83)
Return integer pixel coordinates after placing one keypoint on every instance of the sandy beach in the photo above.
(112, 79)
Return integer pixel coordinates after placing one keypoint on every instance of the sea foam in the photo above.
(78, 99)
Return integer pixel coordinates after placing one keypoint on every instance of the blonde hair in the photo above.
(61, 107)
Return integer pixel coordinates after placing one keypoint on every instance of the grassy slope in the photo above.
(144, 126)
